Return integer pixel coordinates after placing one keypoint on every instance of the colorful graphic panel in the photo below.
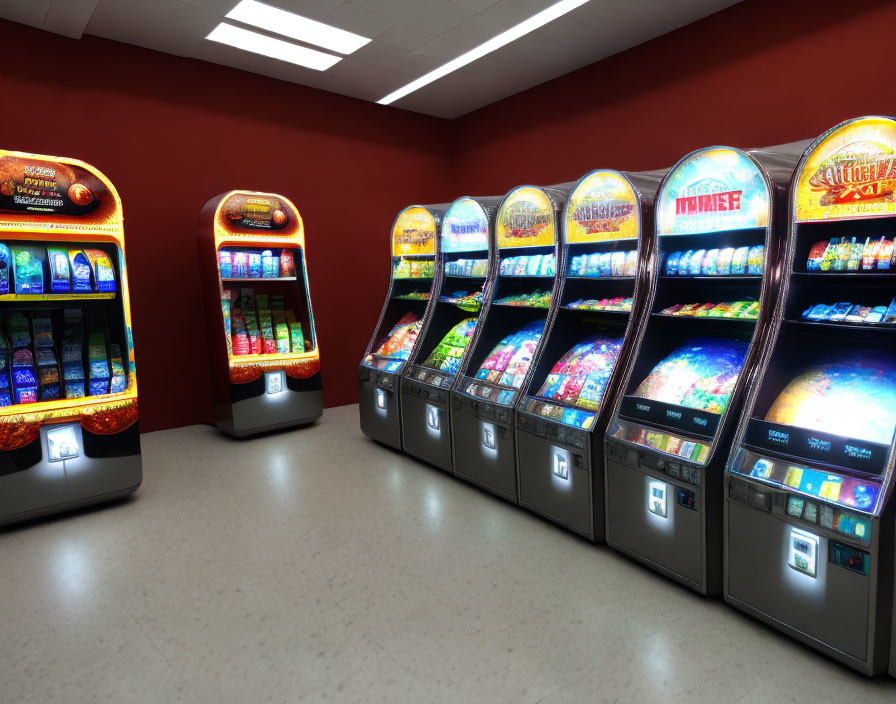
(465, 227)
(581, 376)
(712, 191)
(526, 219)
(851, 173)
(414, 232)
(604, 206)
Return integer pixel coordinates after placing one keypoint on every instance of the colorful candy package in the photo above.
(60, 271)
(103, 274)
(28, 272)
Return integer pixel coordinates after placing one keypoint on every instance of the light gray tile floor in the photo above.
(315, 565)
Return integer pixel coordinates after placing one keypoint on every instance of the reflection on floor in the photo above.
(314, 565)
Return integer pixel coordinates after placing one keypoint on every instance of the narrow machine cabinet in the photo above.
(468, 263)
(395, 341)
(562, 413)
(69, 432)
(809, 513)
(507, 338)
(265, 359)
(720, 215)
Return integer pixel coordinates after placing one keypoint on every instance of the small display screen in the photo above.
(580, 377)
(509, 361)
(690, 388)
(840, 410)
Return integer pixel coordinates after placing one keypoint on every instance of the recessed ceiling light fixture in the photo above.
(540, 19)
(289, 24)
(275, 48)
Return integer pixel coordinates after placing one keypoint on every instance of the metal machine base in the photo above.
(261, 414)
(484, 454)
(426, 430)
(380, 408)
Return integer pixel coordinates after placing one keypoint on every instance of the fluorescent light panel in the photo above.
(289, 24)
(540, 19)
(274, 48)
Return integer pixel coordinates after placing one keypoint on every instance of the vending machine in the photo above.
(68, 386)
(563, 411)
(468, 264)
(507, 338)
(720, 215)
(264, 354)
(809, 513)
(415, 267)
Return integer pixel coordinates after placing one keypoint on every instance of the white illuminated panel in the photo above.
(62, 444)
(560, 463)
(275, 382)
(803, 553)
(432, 417)
(656, 498)
(489, 436)
(380, 399)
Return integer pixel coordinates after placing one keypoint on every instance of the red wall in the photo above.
(171, 133)
(760, 73)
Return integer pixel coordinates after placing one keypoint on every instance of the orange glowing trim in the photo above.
(278, 359)
(72, 228)
(850, 173)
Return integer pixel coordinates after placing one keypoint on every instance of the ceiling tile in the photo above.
(403, 62)
(163, 25)
(571, 32)
(433, 16)
(512, 12)
(474, 31)
(475, 5)
(315, 9)
(353, 18)
(440, 50)
(622, 21)
(405, 38)
(30, 12)
(682, 12)
(69, 17)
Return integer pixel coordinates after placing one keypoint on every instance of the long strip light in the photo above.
(289, 24)
(540, 19)
(274, 48)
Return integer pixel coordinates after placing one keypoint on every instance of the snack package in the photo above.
(672, 260)
(858, 314)
(254, 261)
(739, 261)
(876, 315)
(839, 311)
(593, 265)
(710, 264)
(755, 258)
(617, 263)
(28, 272)
(696, 263)
(522, 264)
(855, 256)
(534, 264)
(296, 339)
(240, 265)
(119, 381)
(724, 262)
(283, 341)
(42, 328)
(24, 380)
(817, 312)
(631, 263)
(606, 264)
(869, 254)
(704, 310)
(47, 375)
(60, 271)
(98, 365)
(830, 254)
(82, 271)
(841, 256)
(890, 315)
(19, 330)
(816, 255)
(269, 266)
(884, 254)
(5, 265)
(225, 264)
(103, 274)
(684, 264)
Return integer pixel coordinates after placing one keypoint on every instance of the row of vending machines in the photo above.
(69, 430)
(694, 365)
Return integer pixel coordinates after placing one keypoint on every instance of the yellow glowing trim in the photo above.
(414, 232)
(526, 219)
(57, 296)
(615, 209)
(859, 156)
(278, 359)
(77, 229)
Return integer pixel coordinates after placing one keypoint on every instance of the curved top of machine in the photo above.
(57, 195)
(848, 172)
(415, 231)
(527, 217)
(255, 217)
(715, 189)
(465, 227)
(603, 205)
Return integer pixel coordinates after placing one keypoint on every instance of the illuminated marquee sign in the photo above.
(603, 206)
(465, 227)
(851, 172)
(526, 219)
(414, 232)
(713, 190)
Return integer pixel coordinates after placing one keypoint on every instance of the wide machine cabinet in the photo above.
(507, 338)
(562, 413)
(265, 360)
(809, 516)
(468, 265)
(720, 215)
(68, 386)
(415, 266)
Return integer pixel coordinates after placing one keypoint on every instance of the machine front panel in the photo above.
(379, 406)
(426, 429)
(484, 453)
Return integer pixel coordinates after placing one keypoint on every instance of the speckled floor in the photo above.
(317, 566)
